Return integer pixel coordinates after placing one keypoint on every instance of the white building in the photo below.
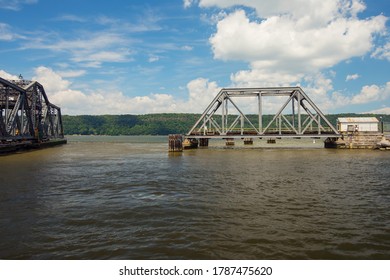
(362, 124)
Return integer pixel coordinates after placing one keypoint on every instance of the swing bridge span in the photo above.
(296, 116)
(27, 118)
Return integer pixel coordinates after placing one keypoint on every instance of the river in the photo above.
(124, 197)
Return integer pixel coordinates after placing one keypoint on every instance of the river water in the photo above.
(128, 198)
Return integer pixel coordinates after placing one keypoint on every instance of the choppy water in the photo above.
(128, 198)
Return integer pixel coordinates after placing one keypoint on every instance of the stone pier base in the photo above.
(355, 140)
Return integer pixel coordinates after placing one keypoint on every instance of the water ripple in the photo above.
(132, 200)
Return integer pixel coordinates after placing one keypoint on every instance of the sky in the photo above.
(152, 56)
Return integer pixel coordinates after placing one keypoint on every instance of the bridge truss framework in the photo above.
(297, 117)
(26, 113)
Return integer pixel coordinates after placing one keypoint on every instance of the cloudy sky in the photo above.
(152, 56)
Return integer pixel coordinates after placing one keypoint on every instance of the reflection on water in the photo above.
(128, 198)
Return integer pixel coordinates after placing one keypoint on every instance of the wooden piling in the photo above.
(204, 142)
(175, 142)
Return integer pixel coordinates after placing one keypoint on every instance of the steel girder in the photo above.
(303, 119)
(26, 113)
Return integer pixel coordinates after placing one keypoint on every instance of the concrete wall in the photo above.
(361, 140)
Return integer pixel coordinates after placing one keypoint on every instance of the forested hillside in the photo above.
(153, 124)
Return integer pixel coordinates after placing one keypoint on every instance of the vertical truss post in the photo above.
(242, 125)
(293, 112)
(223, 114)
(22, 110)
(280, 124)
(226, 114)
(6, 106)
(299, 113)
(260, 113)
(319, 124)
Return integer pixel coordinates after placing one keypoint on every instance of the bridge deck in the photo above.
(241, 136)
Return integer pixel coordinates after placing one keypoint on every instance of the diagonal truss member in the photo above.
(297, 116)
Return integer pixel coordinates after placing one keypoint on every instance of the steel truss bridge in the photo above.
(27, 114)
(297, 117)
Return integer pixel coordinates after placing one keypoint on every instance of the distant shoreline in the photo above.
(158, 124)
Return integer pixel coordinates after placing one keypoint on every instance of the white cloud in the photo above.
(8, 76)
(15, 5)
(372, 93)
(72, 18)
(262, 77)
(201, 93)
(153, 58)
(385, 110)
(72, 73)
(282, 41)
(99, 57)
(290, 43)
(187, 48)
(112, 101)
(312, 10)
(352, 77)
(320, 90)
(98, 102)
(90, 49)
(188, 3)
(382, 52)
(5, 33)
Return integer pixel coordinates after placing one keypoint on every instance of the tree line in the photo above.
(157, 124)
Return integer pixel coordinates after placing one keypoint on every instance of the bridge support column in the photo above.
(248, 141)
(229, 141)
(271, 141)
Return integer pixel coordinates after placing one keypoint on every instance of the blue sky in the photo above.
(139, 57)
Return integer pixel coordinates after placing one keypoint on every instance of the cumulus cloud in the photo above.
(8, 76)
(75, 102)
(201, 93)
(292, 38)
(315, 11)
(280, 42)
(372, 93)
(61, 92)
(291, 43)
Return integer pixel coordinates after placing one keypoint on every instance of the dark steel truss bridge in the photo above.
(297, 117)
(26, 113)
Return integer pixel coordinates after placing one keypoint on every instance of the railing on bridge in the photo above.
(296, 115)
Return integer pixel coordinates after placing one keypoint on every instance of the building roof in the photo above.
(358, 120)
